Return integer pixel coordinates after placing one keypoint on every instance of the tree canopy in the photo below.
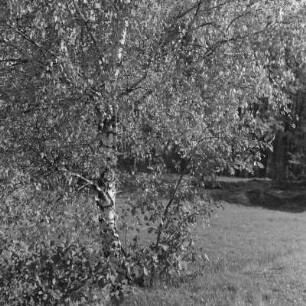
(184, 72)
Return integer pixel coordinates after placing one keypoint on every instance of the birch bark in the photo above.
(106, 199)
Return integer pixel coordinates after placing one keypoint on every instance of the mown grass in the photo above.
(256, 257)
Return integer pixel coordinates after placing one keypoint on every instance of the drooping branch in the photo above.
(91, 184)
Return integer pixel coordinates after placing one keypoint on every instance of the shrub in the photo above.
(169, 212)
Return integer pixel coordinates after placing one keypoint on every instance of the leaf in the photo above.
(164, 247)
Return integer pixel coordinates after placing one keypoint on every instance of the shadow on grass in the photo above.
(285, 196)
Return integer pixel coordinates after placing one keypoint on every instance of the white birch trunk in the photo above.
(106, 199)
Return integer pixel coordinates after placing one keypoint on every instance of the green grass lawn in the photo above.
(256, 257)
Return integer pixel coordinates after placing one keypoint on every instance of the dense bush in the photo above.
(51, 275)
(51, 253)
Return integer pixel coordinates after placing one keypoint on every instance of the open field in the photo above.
(257, 256)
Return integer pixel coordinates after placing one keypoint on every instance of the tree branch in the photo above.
(235, 19)
(86, 22)
(92, 184)
(26, 37)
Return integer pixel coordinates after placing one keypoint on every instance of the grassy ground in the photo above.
(257, 256)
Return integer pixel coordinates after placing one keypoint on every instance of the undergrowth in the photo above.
(52, 251)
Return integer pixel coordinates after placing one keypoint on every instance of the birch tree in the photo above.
(84, 82)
